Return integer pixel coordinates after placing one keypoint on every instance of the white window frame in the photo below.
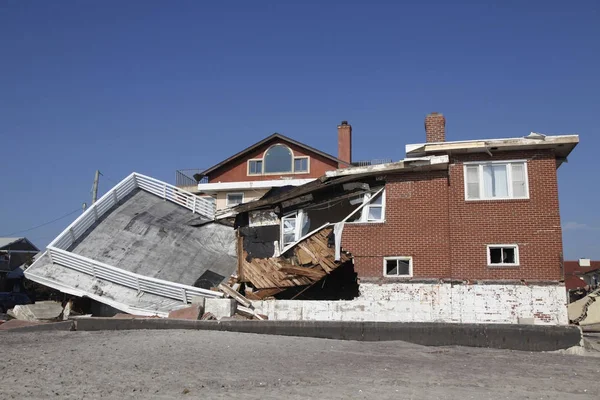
(307, 165)
(481, 164)
(401, 258)
(291, 172)
(299, 217)
(364, 216)
(262, 167)
(508, 246)
(233, 194)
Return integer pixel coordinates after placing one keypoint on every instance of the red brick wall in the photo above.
(416, 224)
(428, 218)
(533, 224)
(238, 171)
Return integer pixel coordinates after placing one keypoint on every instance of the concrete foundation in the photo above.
(220, 307)
(422, 302)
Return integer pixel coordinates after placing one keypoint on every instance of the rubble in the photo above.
(40, 311)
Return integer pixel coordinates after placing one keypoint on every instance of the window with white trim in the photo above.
(234, 199)
(501, 255)
(374, 210)
(255, 167)
(279, 159)
(496, 180)
(293, 227)
(300, 164)
(397, 267)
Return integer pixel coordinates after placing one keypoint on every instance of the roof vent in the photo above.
(584, 262)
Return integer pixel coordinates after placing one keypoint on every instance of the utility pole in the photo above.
(95, 187)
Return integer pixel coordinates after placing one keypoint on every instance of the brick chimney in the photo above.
(435, 127)
(344, 143)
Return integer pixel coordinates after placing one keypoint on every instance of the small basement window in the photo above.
(397, 266)
(234, 199)
(499, 255)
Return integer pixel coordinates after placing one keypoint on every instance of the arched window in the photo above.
(278, 158)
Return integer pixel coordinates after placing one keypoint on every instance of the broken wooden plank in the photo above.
(308, 272)
(235, 295)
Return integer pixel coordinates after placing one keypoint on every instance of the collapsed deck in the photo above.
(145, 248)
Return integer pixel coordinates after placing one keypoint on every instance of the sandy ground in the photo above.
(215, 365)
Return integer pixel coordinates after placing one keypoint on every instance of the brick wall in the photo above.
(533, 224)
(428, 218)
(238, 171)
(416, 224)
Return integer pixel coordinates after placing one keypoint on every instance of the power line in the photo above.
(44, 224)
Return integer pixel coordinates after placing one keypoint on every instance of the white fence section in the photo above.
(57, 249)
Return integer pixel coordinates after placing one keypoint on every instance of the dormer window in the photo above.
(279, 159)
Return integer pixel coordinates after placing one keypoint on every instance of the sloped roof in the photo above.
(7, 241)
(266, 140)
(573, 267)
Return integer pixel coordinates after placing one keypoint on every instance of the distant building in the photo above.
(275, 161)
(14, 252)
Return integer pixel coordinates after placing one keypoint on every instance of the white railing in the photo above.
(57, 249)
(131, 280)
(196, 204)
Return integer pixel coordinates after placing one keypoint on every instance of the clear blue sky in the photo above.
(156, 86)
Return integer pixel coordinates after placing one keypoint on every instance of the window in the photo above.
(397, 266)
(496, 180)
(278, 158)
(300, 164)
(374, 210)
(255, 167)
(499, 255)
(293, 227)
(233, 199)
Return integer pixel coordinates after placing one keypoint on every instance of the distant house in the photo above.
(14, 252)
(275, 161)
(581, 274)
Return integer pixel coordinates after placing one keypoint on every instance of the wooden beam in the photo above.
(308, 272)
(235, 295)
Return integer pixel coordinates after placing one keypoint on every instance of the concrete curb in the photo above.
(46, 327)
(500, 336)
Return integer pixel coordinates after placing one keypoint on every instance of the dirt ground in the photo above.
(219, 365)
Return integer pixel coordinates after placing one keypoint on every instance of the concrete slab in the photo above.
(220, 307)
(40, 311)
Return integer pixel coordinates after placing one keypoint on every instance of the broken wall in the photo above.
(421, 302)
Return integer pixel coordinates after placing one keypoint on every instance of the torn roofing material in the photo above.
(561, 144)
(134, 240)
(340, 176)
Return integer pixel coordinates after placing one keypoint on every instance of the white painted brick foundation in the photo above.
(421, 302)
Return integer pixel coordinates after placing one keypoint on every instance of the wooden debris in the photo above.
(235, 295)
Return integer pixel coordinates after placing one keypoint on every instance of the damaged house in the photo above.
(463, 231)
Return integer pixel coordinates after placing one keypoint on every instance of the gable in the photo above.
(274, 158)
(258, 149)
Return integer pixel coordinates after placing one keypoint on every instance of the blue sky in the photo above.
(156, 86)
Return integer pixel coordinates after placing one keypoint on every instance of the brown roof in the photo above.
(573, 268)
(266, 140)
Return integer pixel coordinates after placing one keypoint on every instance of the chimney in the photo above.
(435, 127)
(345, 143)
